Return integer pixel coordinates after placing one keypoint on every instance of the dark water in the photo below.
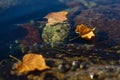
(26, 11)
(22, 11)
(81, 59)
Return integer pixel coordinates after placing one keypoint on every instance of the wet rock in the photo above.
(15, 48)
(118, 51)
(51, 63)
(63, 67)
(74, 65)
(84, 65)
(35, 48)
(104, 18)
(55, 35)
(93, 76)
(110, 69)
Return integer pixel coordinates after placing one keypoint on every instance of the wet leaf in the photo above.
(31, 62)
(56, 17)
(84, 31)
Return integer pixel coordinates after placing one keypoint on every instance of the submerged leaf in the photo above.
(56, 17)
(31, 62)
(84, 31)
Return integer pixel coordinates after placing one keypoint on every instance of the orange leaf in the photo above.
(56, 17)
(31, 62)
(84, 31)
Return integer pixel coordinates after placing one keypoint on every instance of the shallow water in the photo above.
(73, 60)
(16, 12)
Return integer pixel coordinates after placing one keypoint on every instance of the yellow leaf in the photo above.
(31, 62)
(85, 32)
(56, 17)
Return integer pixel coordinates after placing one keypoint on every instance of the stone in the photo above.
(54, 35)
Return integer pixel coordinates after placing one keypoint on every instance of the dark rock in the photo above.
(63, 67)
(84, 65)
(75, 65)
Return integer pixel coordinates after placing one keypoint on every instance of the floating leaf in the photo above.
(84, 31)
(31, 62)
(56, 17)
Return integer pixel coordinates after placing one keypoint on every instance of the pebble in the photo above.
(84, 65)
(118, 51)
(75, 65)
(94, 76)
(63, 67)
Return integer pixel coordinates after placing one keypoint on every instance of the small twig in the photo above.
(74, 38)
(14, 58)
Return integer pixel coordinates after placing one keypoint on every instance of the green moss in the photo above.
(55, 35)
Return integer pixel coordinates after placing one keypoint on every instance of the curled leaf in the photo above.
(84, 31)
(56, 17)
(31, 62)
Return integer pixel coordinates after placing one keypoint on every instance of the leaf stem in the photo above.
(74, 38)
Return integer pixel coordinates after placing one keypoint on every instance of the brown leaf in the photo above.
(56, 17)
(31, 62)
(84, 31)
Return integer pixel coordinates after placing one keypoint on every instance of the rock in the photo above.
(84, 65)
(93, 76)
(75, 65)
(55, 35)
(63, 67)
(118, 51)
(104, 18)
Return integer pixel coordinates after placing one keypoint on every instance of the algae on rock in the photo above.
(55, 35)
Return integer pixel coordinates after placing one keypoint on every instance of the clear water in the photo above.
(22, 11)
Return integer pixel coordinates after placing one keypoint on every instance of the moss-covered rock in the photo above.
(55, 35)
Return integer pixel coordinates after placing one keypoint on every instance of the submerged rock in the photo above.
(55, 35)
